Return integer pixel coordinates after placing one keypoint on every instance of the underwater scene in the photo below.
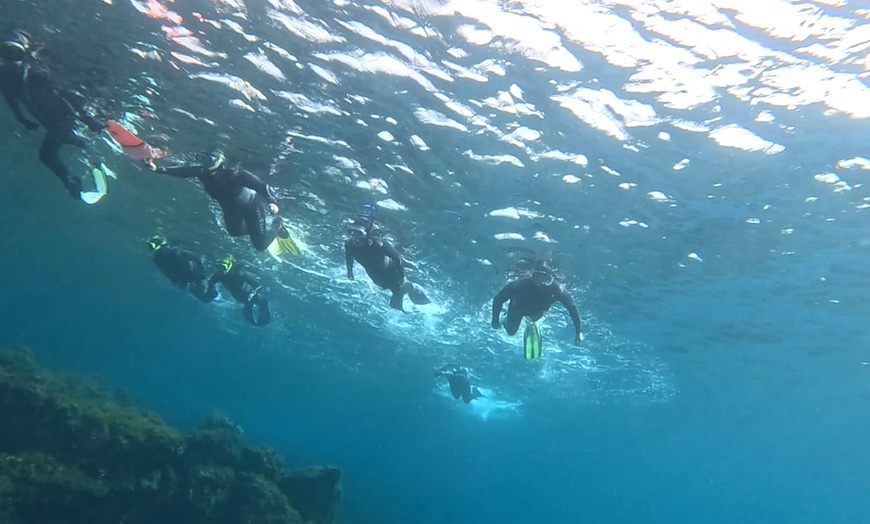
(434, 261)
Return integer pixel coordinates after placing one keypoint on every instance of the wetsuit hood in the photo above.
(15, 46)
(156, 242)
(226, 264)
(543, 275)
(358, 233)
(362, 225)
(214, 160)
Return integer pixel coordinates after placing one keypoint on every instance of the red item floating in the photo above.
(134, 146)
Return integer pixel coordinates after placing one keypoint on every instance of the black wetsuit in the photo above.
(531, 299)
(184, 268)
(245, 288)
(382, 263)
(460, 385)
(243, 196)
(29, 84)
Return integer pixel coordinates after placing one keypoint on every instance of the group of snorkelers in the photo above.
(188, 270)
(249, 208)
(247, 203)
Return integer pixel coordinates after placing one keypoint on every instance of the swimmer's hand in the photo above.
(273, 208)
(95, 126)
(579, 339)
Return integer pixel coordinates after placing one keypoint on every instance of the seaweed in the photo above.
(71, 452)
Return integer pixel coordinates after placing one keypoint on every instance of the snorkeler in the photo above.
(245, 200)
(245, 288)
(182, 267)
(383, 264)
(460, 385)
(24, 81)
(531, 297)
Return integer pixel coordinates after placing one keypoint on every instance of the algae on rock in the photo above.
(71, 453)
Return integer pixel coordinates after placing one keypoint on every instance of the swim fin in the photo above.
(285, 244)
(416, 294)
(532, 341)
(100, 184)
(275, 251)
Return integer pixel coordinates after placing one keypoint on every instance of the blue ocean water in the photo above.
(695, 171)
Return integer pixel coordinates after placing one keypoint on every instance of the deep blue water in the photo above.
(726, 389)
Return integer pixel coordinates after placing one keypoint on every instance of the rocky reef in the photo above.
(70, 453)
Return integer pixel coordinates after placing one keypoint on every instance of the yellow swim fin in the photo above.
(275, 251)
(286, 244)
(532, 341)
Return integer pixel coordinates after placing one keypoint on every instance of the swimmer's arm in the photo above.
(183, 171)
(348, 259)
(394, 255)
(79, 104)
(256, 183)
(249, 278)
(211, 289)
(503, 296)
(569, 304)
(16, 110)
(215, 278)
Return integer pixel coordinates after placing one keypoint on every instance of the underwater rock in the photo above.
(255, 500)
(74, 421)
(264, 461)
(34, 487)
(217, 441)
(314, 492)
(208, 489)
(71, 453)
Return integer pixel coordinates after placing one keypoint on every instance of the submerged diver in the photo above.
(245, 288)
(383, 264)
(531, 297)
(245, 200)
(460, 385)
(24, 81)
(182, 267)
